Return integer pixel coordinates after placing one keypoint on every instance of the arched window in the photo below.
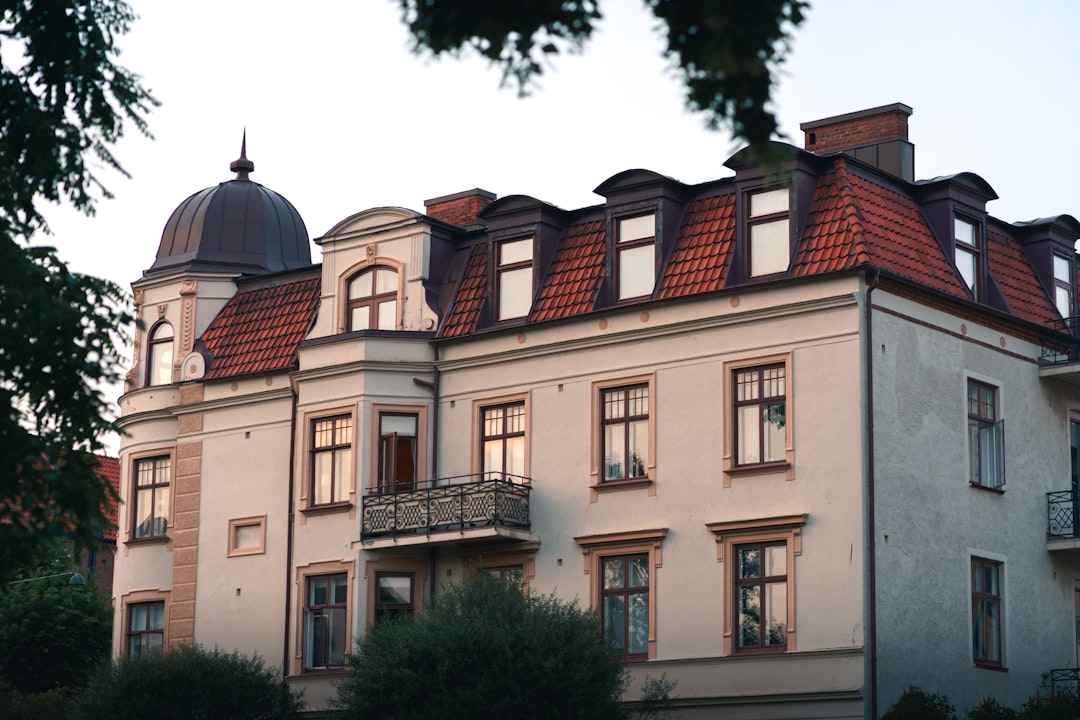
(373, 299)
(159, 355)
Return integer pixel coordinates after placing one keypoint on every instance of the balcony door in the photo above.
(397, 452)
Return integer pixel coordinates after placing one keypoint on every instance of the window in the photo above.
(986, 434)
(247, 536)
(146, 629)
(769, 231)
(761, 591)
(986, 615)
(760, 414)
(151, 512)
(625, 432)
(159, 353)
(966, 236)
(635, 253)
(1063, 274)
(624, 607)
(393, 595)
(331, 459)
(325, 622)
(509, 573)
(397, 452)
(514, 278)
(502, 430)
(623, 591)
(372, 299)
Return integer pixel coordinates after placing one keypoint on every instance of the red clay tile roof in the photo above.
(834, 237)
(259, 330)
(702, 254)
(469, 298)
(109, 467)
(1017, 281)
(576, 271)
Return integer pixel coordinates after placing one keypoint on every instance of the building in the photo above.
(99, 562)
(758, 424)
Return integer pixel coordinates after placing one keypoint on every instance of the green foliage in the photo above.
(917, 704)
(188, 683)
(56, 704)
(1048, 707)
(483, 649)
(52, 634)
(726, 52)
(991, 709)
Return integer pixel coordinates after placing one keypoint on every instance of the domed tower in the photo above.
(237, 228)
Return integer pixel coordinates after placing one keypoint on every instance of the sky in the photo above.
(341, 116)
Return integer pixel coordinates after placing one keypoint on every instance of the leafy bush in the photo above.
(1048, 707)
(917, 704)
(188, 683)
(991, 709)
(56, 704)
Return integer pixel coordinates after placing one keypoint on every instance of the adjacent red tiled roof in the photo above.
(576, 271)
(834, 237)
(109, 468)
(702, 254)
(1017, 281)
(259, 330)
(469, 298)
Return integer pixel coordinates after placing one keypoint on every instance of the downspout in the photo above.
(289, 536)
(872, 278)
(433, 386)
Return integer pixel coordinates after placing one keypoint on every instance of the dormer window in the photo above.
(635, 256)
(514, 278)
(160, 355)
(966, 237)
(769, 231)
(1063, 285)
(373, 299)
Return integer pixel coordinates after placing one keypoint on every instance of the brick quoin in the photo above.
(459, 209)
(866, 127)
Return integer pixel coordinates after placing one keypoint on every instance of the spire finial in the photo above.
(242, 166)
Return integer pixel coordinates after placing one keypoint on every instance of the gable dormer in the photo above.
(642, 213)
(1049, 244)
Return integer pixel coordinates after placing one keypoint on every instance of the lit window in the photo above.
(325, 621)
(1063, 284)
(770, 234)
(636, 256)
(160, 355)
(146, 629)
(151, 511)
(760, 414)
(397, 452)
(625, 432)
(986, 612)
(331, 458)
(393, 595)
(503, 440)
(624, 607)
(515, 278)
(372, 303)
(967, 253)
(761, 596)
(986, 435)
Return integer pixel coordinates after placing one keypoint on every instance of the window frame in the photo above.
(478, 408)
(303, 574)
(625, 593)
(344, 314)
(1063, 284)
(761, 582)
(374, 484)
(348, 488)
(130, 633)
(973, 249)
(409, 607)
(753, 221)
(729, 536)
(153, 350)
(597, 482)
(504, 268)
(522, 555)
(975, 424)
(251, 521)
(375, 300)
(620, 247)
(167, 488)
(418, 569)
(595, 548)
(730, 467)
(144, 597)
(976, 613)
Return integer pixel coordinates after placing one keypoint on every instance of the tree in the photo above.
(726, 51)
(185, 683)
(484, 649)
(64, 102)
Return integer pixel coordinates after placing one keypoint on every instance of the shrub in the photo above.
(56, 704)
(991, 709)
(917, 704)
(188, 683)
(1048, 707)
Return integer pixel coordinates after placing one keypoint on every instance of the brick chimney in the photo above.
(461, 208)
(878, 136)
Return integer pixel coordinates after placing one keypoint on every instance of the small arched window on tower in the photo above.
(373, 299)
(159, 354)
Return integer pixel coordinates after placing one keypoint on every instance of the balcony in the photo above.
(1063, 521)
(467, 508)
(1060, 357)
(1065, 683)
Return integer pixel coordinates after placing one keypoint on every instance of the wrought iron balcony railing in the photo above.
(1062, 345)
(449, 504)
(1065, 682)
(1063, 521)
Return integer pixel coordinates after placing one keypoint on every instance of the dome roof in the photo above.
(237, 226)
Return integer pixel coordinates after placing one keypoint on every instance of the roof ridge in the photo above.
(851, 211)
